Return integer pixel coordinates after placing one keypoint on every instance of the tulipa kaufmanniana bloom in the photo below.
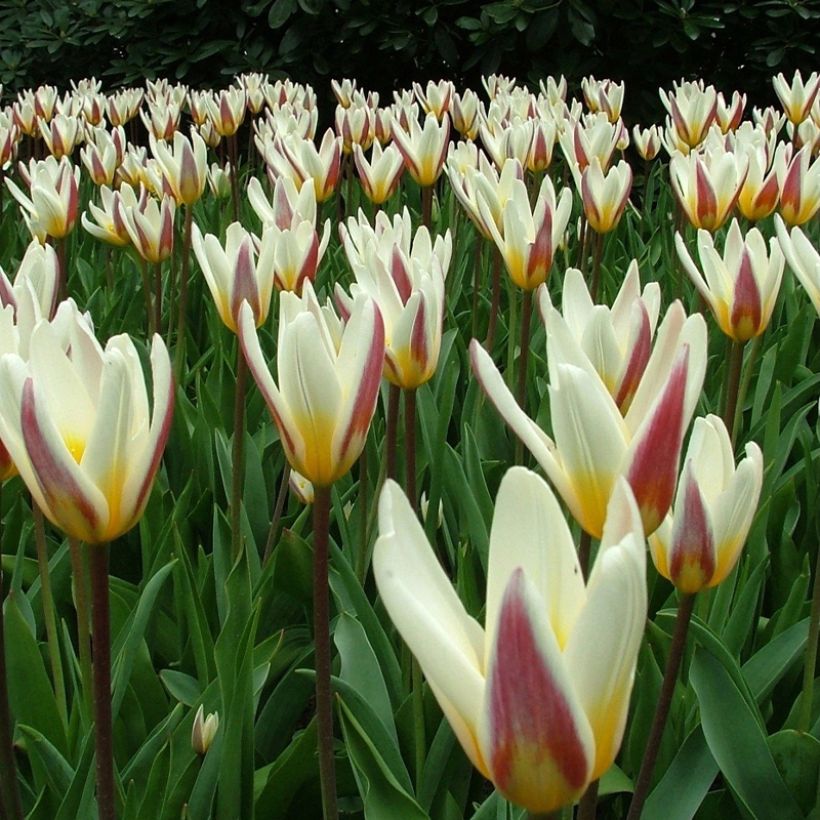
(741, 286)
(538, 697)
(803, 258)
(594, 443)
(699, 543)
(328, 380)
(76, 422)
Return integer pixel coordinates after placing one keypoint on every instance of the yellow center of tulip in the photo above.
(75, 446)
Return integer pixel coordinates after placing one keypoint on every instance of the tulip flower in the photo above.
(708, 185)
(161, 120)
(227, 110)
(343, 91)
(109, 221)
(424, 149)
(693, 109)
(760, 191)
(529, 238)
(605, 96)
(797, 97)
(238, 272)
(699, 543)
(379, 177)
(204, 730)
(803, 259)
(729, 114)
(465, 113)
(647, 141)
(61, 135)
(741, 286)
(538, 697)
(319, 166)
(219, 180)
(354, 125)
(435, 98)
(592, 136)
(184, 166)
(103, 154)
(76, 423)
(594, 443)
(123, 105)
(329, 378)
(799, 180)
(617, 341)
(605, 196)
(150, 225)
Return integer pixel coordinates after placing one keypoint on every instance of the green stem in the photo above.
(158, 297)
(62, 271)
(277, 512)
(496, 299)
(102, 682)
(81, 596)
(807, 696)
(146, 292)
(582, 245)
(670, 676)
(523, 361)
(361, 557)
(48, 611)
(410, 445)
(420, 743)
(179, 354)
(390, 438)
(479, 245)
(232, 154)
(588, 807)
(596, 266)
(321, 636)
(9, 788)
(733, 370)
(238, 452)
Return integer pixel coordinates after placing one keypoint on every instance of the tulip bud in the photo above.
(204, 730)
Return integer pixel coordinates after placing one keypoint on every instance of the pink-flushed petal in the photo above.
(72, 502)
(640, 348)
(747, 309)
(422, 603)
(529, 531)
(653, 455)
(535, 736)
(707, 215)
(692, 553)
(245, 287)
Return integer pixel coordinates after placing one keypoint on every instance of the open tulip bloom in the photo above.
(594, 443)
(803, 258)
(328, 383)
(538, 697)
(76, 422)
(699, 543)
(741, 286)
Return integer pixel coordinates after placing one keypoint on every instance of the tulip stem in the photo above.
(420, 742)
(584, 549)
(596, 266)
(523, 361)
(410, 445)
(81, 595)
(393, 396)
(158, 297)
(582, 244)
(277, 512)
(146, 292)
(321, 637)
(804, 717)
(361, 557)
(588, 807)
(233, 158)
(62, 272)
(238, 453)
(102, 682)
(48, 611)
(9, 788)
(427, 206)
(179, 353)
(477, 256)
(496, 299)
(733, 371)
(670, 676)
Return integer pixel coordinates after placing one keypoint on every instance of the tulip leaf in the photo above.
(79, 797)
(737, 741)
(383, 796)
(770, 663)
(797, 757)
(58, 772)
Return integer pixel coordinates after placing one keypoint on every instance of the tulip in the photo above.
(219, 180)
(803, 259)
(593, 136)
(760, 191)
(741, 286)
(605, 196)
(707, 186)
(728, 115)
(435, 98)
(184, 166)
(379, 177)
(328, 381)
(61, 135)
(238, 272)
(424, 149)
(465, 113)
(797, 97)
(594, 443)
(123, 106)
(699, 543)
(529, 237)
(354, 125)
(227, 111)
(647, 141)
(162, 119)
(343, 91)
(150, 225)
(693, 109)
(617, 341)
(799, 180)
(204, 730)
(320, 166)
(538, 698)
(544, 135)
(102, 154)
(605, 96)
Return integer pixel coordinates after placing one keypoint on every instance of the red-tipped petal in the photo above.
(746, 305)
(692, 558)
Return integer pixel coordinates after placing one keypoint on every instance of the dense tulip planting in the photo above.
(485, 490)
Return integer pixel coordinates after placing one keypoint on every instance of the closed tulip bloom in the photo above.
(380, 176)
(799, 179)
(465, 112)
(803, 259)
(227, 110)
(343, 91)
(708, 185)
(538, 697)
(760, 191)
(328, 381)
(544, 136)
(605, 96)
(102, 155)
(647, 141)
(435, 98)
(729, 114)
(122, 106)
(288, 204)
(237, 272)
(594, 443)
(797, 97)
(354, 125)
(593, 136)
(51, 207)
(109, 219)
(184, 166)
(530, 237)
(219, 180)
(741, 286)
(61, 135)
(617, 341)
(693, 109)
(319, 166)
(9, 137)
(424, 149)
(45, 101)
(162, 119)
(297, 253)
(151, 227)
(605, 196)
(77, 424)
(699, 543)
